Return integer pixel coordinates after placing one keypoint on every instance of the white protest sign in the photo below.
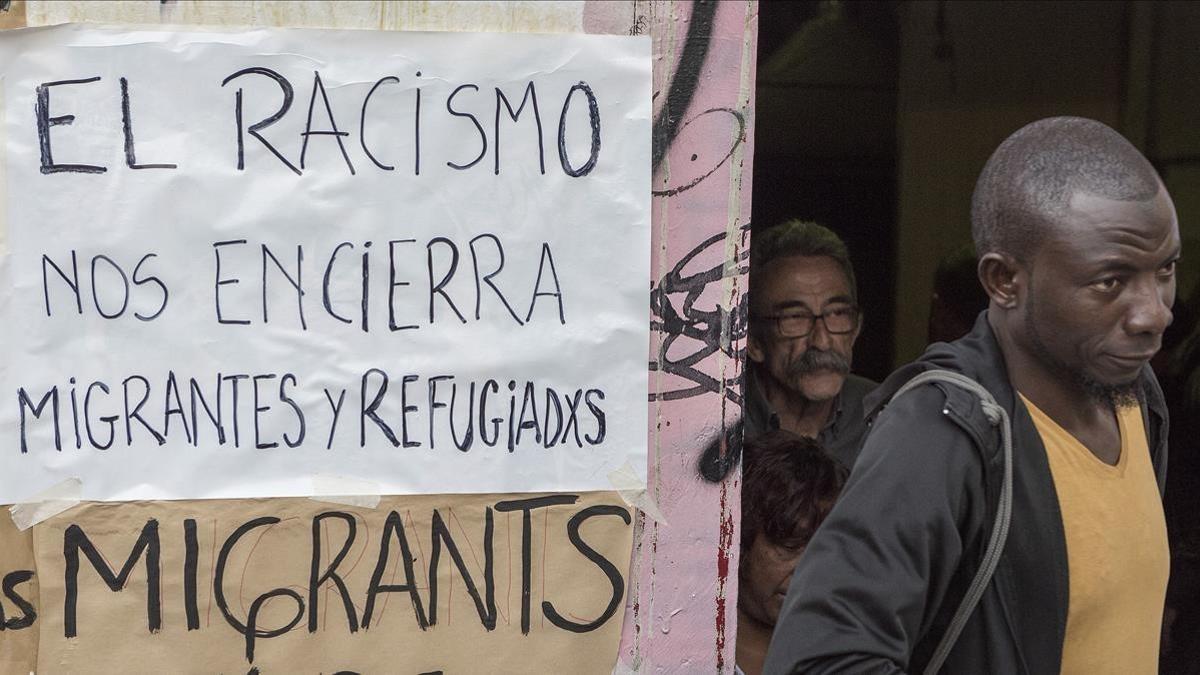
(238, 261)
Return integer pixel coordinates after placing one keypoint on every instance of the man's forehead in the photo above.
(1085, 205)
(816, 276)
(1095, 224)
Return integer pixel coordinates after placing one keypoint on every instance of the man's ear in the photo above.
(754, 349)
(1000, 275)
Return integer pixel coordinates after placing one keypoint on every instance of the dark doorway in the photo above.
(825, 142)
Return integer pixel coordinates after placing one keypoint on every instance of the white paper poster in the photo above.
(242, 264)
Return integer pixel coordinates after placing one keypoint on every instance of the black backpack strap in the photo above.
(998, 416)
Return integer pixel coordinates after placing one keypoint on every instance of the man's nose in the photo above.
(1150, 311)
(819, 337)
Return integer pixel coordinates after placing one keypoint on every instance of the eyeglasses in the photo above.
(838, 321)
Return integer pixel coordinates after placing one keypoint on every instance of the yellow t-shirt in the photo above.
(1117, 554)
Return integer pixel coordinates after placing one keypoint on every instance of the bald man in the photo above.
(1078, 242)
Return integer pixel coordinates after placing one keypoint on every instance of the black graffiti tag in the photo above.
(736, 139)
(697, 332)
(687, 78)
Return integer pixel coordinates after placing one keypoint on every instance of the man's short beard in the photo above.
(1119, 395)
(1116, 396)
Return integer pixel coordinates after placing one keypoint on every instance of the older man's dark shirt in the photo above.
(842, 434)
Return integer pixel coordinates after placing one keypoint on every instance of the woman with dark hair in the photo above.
(789, 485)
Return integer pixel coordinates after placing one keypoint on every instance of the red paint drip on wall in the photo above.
(724, 544)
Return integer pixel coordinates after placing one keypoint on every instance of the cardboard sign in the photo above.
(239, 263)
(421, 584)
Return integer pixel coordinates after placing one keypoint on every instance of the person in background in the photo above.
(804, 319)
(1078, 242)
(1180, 373)
(957, 296)
(788, 486)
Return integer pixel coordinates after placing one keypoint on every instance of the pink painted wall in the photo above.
(683, 593)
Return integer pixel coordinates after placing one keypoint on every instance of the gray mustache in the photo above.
(814, 360)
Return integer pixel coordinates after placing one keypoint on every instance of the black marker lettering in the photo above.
(191, 556)
(337, 410)
(197, 395)
(572, 422)
(74, 540)
(127, 127)
(150, 280)
(436, 289)
(530, 95)
(96, 289)
(548, 439)
(405, 408)
(333, 130)
(172, 389)
(366, 283)
(474, 120)
(72, 281)
(111, 420)
(526, 507)
(392, 284)
(23, 401)
(255, 129)
(610, 570)
(528, 404)
(135, 413)
(250, 628)
(487, 278)
(252, 631)
(547, 259)
(75, 415)
(434, 403)
(440, 534)
(465, 444)
(317, 578)
(233, 383)
(28, 613)
(417, 134)
(325, 284)
(512, 410)
(362, 122)
(258, 444)
(222, 282)
(296, 283)
(594, 120)
(45, 121)
(394, 527)
(223, 561)
(295, 408)
(494, 387)
(368, 410)
(598, 413)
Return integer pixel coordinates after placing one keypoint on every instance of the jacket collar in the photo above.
(977, 355)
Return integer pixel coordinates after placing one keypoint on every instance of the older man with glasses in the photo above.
(804, 319)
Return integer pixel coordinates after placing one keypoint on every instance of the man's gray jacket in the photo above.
(875, 589)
